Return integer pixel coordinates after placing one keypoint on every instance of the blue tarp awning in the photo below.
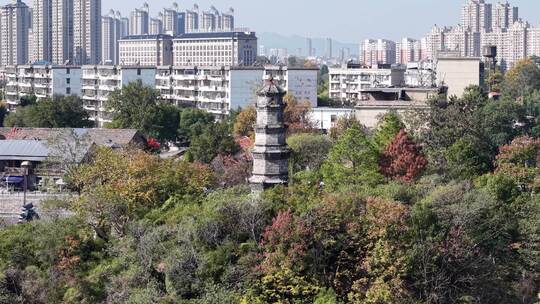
(14, 179)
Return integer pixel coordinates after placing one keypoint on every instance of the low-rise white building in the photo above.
(325, 118)
(98, 81)
(146, 50)
(219, 90)
(349, 83)
(44, 81)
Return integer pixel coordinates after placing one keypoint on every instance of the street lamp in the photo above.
(25, 165)
(28, 212)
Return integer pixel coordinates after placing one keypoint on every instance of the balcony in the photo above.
(107, 88)
(41, 85)
(42, 75)
(163, 77)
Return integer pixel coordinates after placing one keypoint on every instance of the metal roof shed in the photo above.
(30, 150)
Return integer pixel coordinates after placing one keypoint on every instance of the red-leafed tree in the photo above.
(403, 159)
(521, 161)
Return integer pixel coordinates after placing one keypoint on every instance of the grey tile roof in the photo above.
(101, 137)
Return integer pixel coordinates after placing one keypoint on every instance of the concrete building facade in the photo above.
(352, 83)
(139, 22)
(44, 81)
(218, 90)
(14, 24)
(457, 73)
(87, 31)
(111, 33)
(62, 31)
(146, 50)
(99, 81)
(215, 49)
(41, 42)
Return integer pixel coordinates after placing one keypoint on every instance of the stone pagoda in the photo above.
(270, 154)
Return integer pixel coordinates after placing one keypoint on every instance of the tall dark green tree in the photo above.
(137, 106)
(216, 139)
(58, 112)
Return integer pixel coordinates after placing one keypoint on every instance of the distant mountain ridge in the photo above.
(295, 42)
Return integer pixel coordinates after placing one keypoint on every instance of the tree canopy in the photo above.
(58, 112)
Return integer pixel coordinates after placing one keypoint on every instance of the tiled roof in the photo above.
(101, 137)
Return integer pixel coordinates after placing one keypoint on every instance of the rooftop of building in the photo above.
(237, 67)
(101, 137)
(210, 35)
(147, 37)
(30, 150)
(121, 67)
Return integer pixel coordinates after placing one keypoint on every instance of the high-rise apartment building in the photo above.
(328, 50)
(227, 21)
(408, 50)
(170, 21)
(156, 26)
(380, 51)
(309, 47)
(140, 21)
(124, 27)
(462, 40)
(111, 27)
(434, 41)
(209, 20)
(62, 31)
(476, 15)
(87, 31)
(14, 24)
(504, 15)
(192, 20)
(41, 42)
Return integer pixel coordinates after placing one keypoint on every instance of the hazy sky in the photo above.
(344, 20)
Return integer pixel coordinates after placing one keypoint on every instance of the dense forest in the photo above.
(439, 205)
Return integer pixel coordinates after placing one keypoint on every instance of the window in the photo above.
(68, 91)
(68, 71)
(68, 80)
(138, 72)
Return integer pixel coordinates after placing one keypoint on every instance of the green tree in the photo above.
(464, 161)
(136, 106)
(117, 187)
(387, 129)
(308, 151)
(245, 123)
(522, 79)
(28, 100)
(3, 113)
(216, 139)
(495, 80)
(192, 123)
(352, 161)
(58, 112)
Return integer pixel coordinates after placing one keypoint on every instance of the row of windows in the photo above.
(202, 47)
(223, 53)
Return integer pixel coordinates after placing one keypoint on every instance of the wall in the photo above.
(459, 73)
(303, 85)
(60, 77)
(147, 76)
(324, 118)
(243, 86)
